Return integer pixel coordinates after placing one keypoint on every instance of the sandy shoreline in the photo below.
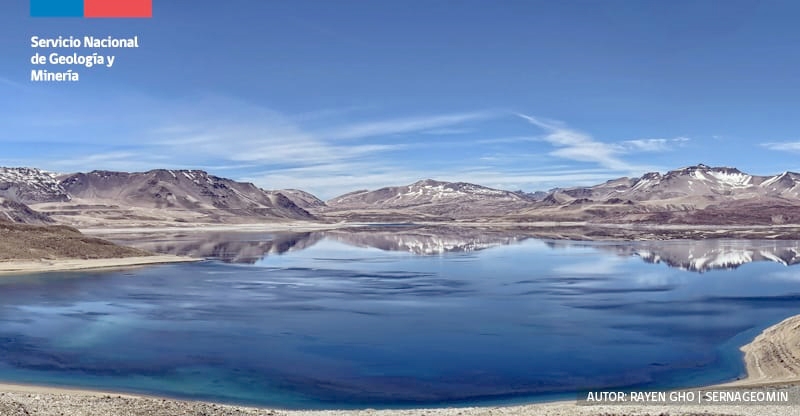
(25, 401)
(582, 231)
(298, 226)
(773, 356)
(771, 360)
(40, 266)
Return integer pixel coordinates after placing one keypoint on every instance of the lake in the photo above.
(399, 317)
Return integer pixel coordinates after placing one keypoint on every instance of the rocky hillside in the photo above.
(18, 212)
(426, 200)
(191, 190)
(688, 196)
(693, 195)
(425, 192)
(302, 199)
(30, 186)
(697, 186)
(31, 242)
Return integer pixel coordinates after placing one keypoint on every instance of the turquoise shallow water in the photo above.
(337, 325)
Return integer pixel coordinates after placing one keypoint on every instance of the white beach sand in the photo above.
(38, 266)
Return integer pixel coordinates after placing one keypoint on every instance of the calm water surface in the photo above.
(333, 321)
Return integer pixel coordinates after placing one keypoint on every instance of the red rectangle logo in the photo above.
(118, 8)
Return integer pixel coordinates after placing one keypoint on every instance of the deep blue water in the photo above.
(337, 326)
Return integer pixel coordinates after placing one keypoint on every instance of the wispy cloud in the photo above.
(120, 160)
(333, 179)
(653, 145)
(506, 140)
(7, 82)
(330, 180)
(603, 266)
(326, 152)
(623, 147)
(273, 140)
(575, 145)
(790, 276)
(404, 125)
(783, 146)
(448, 131)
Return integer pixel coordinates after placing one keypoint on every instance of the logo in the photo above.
(92, 9)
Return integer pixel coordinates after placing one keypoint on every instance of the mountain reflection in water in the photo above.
(397, 316)
(249, 248)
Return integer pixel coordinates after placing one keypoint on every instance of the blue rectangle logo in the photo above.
(56, 8)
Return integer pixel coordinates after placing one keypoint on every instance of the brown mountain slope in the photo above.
(31, 242)
(30, 186)
(426, 200)
(181, 189)
(20, 213)
(425, 192)
(693, 195)
(302, 199)
(109, 199)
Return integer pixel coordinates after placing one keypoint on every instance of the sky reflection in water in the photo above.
(333, 324)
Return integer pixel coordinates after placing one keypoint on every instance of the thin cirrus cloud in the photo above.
(233, 136)
(7, 82)
(329, 152)
(277, 139)
(653, 145)
(448, 131)
(275, 151)
(783, 146)
(405, 125)
(114, 160)
(574, 145)
(581, 147)
(330, 180)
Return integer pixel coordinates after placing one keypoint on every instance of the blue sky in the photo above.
(332, 96)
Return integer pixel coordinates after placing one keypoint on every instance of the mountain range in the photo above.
(426, 200)
(103, 197)
(192, 190)
(694, 186)
(692, 195)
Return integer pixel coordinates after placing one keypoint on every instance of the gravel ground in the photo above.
(88, 404)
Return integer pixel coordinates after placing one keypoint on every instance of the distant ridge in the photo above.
(427, 191)
(30, 186)
(12, 211)
(302, 199)
(177, 195)
(429, 199)
(181, 189)
(698, 194)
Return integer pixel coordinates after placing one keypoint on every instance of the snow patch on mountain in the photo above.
(30, 185)
(738, 180)
(426, 192)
